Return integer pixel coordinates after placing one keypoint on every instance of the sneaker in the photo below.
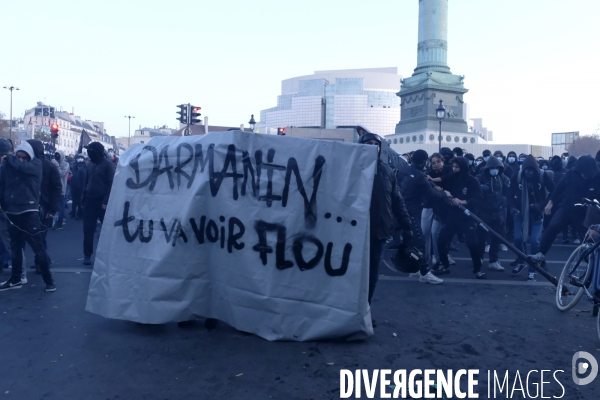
(503, 247)
(496, 266)
(414, 275)
(487, 248)
(57, 227)
(451, 261)
(11, 284)
(480, 275)
(531, 277)
(23, 280)
(517, 270)
(51, 287)
(538, 258)
(515, 263)
(87, 261)
(430, 278)
(576, 241)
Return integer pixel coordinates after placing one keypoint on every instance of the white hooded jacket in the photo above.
(63, 170)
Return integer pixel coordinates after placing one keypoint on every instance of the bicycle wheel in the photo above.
(575, 269)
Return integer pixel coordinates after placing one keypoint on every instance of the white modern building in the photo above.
(331, 99)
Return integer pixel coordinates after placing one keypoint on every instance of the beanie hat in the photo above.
(419, 157)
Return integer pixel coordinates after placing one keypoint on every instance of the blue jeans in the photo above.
(535, 235)
(375, 256)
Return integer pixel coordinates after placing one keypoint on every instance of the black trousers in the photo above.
(497, 224)
(450, 228)
(76, 209)
(417, 239)
(27, 230)
(92, 212)
(562, 219)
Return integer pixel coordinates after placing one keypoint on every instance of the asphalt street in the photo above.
(53, 349)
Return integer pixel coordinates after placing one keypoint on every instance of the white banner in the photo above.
(266, 233)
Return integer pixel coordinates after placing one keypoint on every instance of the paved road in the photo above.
(53, 349)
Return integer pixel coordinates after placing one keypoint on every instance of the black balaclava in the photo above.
(531, 169)
(586, 165)
(447, 154)
(556, 163)
(419, 159)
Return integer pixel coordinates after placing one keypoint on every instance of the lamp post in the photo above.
(440, 113)
(129, 140)
(252, 122)
(11, 88)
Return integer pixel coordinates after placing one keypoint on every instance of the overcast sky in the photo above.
(532, 67)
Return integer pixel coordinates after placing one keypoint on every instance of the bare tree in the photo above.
(4, 126)
(585, 146)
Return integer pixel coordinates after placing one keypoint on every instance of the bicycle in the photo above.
(576, 277)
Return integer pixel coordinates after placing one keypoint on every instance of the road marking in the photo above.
(459, 280)
(509, 260)
(475, 281)
(76, 270)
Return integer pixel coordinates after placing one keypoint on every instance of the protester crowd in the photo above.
(529, 201)
(35, 189)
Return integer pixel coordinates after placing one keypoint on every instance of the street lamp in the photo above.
(440, 113)
(129, 141)
(252, 123)
(11, 88)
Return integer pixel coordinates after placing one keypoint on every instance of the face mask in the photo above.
(80, 160)
(486, 158)
(470, 162)
(544, 167)
(511, 160)
(529, 174)
(499, 159)
(110, 154)
(521, 160)
(57, 157)
(477, 162)
(494, 172)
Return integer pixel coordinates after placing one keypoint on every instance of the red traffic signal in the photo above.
(54, 130)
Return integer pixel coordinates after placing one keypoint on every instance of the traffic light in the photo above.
(194, 115)
(281, 131)
(183, 114)
(54, 130)
(52, 112)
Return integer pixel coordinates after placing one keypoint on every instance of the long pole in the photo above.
(129, 140)
(440, 138)
(510, 246)
(11, 123)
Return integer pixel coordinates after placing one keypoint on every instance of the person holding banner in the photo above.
(387, 205)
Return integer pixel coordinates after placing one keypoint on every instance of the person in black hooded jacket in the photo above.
(494, 186)
(387, 206)
(526, 197)
(50, 194)
(466, 191)
(571, 162)
(582, 181)
(96, 192)
(417, 189)
(557, 168)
